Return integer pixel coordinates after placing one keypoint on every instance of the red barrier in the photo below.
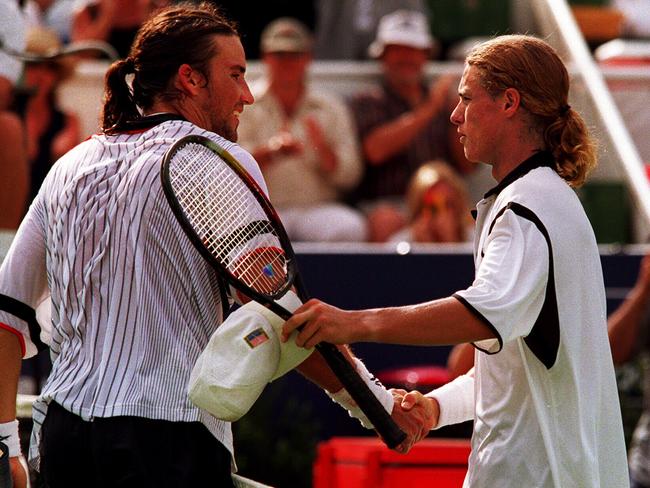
(363, 462)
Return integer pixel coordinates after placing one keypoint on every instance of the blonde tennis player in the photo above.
(543, 394)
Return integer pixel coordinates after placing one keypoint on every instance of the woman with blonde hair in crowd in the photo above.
(438, 206)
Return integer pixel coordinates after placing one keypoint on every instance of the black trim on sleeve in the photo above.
(482, 318)
(26, 313)
(544, 338)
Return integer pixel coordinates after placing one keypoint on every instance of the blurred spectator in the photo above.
(59, 17)
(34, 12)
(303, 140)
(112, 21)
(402, 123)
(345, 28)
(438, 206)
(50, 132)
(629, 337)
(14, 171)
(636, 14)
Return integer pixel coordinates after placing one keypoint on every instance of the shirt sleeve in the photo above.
(455, 400)
(23, 278)
(509, 288)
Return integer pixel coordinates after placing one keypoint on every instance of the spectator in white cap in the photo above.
(304, 141)
(403, 122)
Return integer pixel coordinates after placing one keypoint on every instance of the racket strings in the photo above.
(230, 221)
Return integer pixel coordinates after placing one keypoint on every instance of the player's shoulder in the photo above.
(539, 185)
(172, 131)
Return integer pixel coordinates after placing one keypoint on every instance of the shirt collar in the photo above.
(538, 160)
(146, 122)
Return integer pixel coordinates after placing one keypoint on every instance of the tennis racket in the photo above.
(233, 225)
(5, 470)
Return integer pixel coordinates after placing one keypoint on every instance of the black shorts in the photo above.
(129, 452)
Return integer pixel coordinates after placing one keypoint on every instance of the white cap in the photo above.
(242, 356)
(404, 28)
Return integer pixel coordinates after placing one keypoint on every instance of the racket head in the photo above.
(228, 218)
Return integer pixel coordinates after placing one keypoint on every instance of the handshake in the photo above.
(416, 415)
(246, 353)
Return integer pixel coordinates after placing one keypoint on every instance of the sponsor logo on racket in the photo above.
(268, 270)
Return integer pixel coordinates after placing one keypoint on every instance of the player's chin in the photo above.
(470, 155)
(229, 132)
(232, 129)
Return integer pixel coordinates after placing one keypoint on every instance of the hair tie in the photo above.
(565, 109)
(129, 65)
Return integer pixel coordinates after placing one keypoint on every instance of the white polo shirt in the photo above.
(547, 412)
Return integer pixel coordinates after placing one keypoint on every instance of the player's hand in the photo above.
(321, 322)
(18, 472)
(415, 414)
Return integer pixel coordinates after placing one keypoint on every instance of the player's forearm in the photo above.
(444, 321)
(317, 371)
(10, 360)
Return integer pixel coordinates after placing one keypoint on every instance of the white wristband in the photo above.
(456, 400)
(10, 437)
(343, 398)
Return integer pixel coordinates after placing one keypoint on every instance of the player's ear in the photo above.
(511, 101)
(189, 80)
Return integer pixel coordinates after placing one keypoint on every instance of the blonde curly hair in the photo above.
(534, 68)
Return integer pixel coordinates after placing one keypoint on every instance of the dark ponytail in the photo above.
(176, 35)
(118, 99)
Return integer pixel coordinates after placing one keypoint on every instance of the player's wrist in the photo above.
(433, 412)
(343, 398)
(9, 435)
(454, 401)
(368, 329)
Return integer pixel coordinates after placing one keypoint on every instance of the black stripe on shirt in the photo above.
(544, 338)
(26, 313)
(483, 319)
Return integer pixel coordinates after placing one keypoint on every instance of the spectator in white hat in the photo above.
(403, 122)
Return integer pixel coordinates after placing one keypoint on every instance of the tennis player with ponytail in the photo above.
(133, 303)
(542, 394)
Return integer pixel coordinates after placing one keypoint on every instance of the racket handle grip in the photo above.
(360, 393)
(6, 481)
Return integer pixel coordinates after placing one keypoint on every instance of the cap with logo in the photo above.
(242, 357)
